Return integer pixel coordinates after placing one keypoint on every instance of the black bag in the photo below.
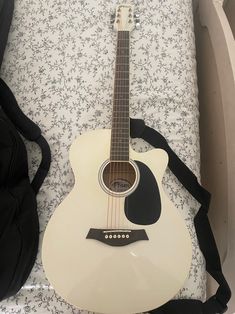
(19, 226)
(217, 304)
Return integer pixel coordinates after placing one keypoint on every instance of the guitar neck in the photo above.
(120, 117)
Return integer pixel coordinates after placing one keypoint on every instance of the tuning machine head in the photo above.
(112, 19)
(137, 20)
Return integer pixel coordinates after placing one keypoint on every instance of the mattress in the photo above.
(59, 62)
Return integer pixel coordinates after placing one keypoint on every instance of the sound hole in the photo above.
(119, 176)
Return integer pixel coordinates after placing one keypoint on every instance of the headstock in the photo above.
(124, 19)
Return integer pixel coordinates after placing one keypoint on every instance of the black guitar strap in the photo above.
(218, 302)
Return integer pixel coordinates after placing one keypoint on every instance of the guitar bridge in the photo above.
(117, 237)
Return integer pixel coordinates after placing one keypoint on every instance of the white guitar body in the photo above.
(113, 279)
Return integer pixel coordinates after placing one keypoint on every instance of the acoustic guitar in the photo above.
(117, 244)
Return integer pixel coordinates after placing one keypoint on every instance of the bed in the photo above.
(59, 62)
(215, 33)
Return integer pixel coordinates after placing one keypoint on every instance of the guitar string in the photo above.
(123, 169)
(110, 175)
(128, 41)
(117, 199)
(115, 136)
(123, 117)
(122, 101)
(119, 115)
(123, 43)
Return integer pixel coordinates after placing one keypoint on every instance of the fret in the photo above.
(123, 44)
(122, 138)
(126, 81)
(123, 128)
(121, 156)
(120, 100)
(122, 135)
(121, 115)
(121, 67)
(117, 125)
(117, 113)
(123, 60)
(120, 149)
(121, 75)
(114, 137)
(121, 153)
(122, 51)
(121, 89)
(121, 93)
(121, 105)
(119, 119)
(116, 158)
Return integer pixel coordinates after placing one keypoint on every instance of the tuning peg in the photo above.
(136, 15)
(112, 18)
(137, 25)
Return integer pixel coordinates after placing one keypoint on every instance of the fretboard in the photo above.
(120, 119)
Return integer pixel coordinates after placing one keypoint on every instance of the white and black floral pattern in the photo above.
(59, 62)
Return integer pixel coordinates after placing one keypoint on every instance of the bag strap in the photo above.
(218, 302)
(28, 129)
(6, 13)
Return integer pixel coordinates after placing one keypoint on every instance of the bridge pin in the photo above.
(127, 236)
(115, 236)
(110, 237)
(123, 236)
(119, 236)
(106, 237)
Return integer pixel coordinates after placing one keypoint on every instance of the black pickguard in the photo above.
(143, 206)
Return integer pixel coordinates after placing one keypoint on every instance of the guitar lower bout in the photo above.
(100, 255)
